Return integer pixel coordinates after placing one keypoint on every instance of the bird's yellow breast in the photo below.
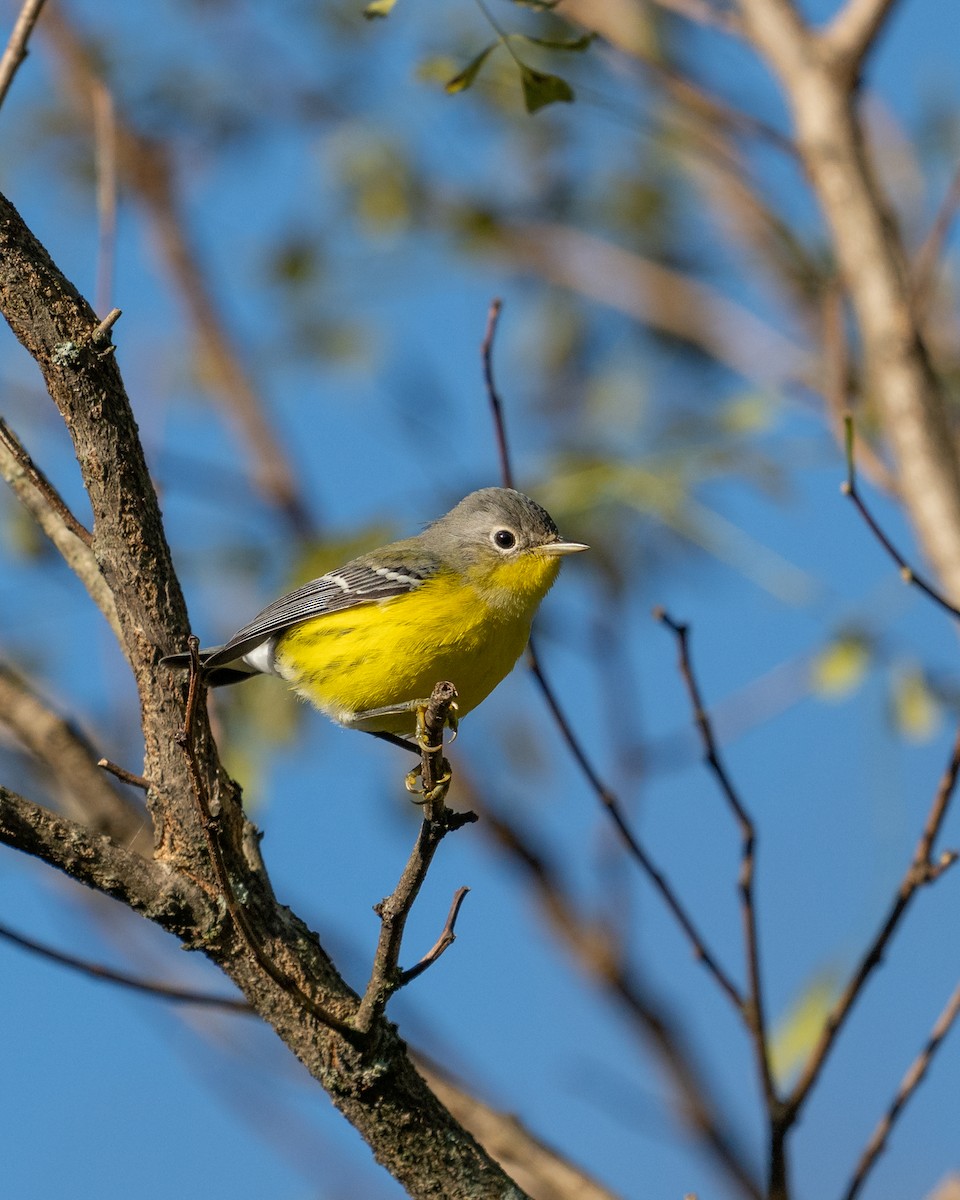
(468, 628)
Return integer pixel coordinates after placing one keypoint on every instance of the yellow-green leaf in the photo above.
(378, 8)
(839, 668)
(541, 89)
(466, 78)
(916, 710)
(798, 1030)
(577, 45)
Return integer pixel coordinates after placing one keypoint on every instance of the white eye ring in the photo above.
(503, 539)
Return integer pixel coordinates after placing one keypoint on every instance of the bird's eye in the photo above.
(505, 539)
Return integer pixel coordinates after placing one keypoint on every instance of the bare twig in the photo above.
(444, 941)
(105, 166)
(147, 169)
(921, 871)
(911, 1081)
(496, 406)
(666, 299)
(594, 949)
(929, 255)
(61, 750)
(438, 820)
(702, 12)
(853, 30)
(753, 1008)
(605, 795)
(16, 50)
(907, 573)
(123, 774)
(163, 991)
(102, 331)
(46, 506)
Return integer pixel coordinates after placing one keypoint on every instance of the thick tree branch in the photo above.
(152, 889)
(897, 366)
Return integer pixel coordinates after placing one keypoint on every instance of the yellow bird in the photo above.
(366, 643)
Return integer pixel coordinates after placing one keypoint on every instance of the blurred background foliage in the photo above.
(313, 212)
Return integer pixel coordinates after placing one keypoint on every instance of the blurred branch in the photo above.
(16, 50)
(667, 300)
(928, 257)
(899, 373)
(920, 872)
(83, 791)
(105, 165)
(911, 1081)
(44, 503)
(907, 573)
(541, 1170)
(148, 171)
(854, 28)
(162, 991)
(702, 12)
(594, 950)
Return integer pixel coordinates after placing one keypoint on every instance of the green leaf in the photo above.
(576, 45)
(466, 78)
(916, 710)
(541, 89)
(839, 668)
(378, 8)
(799, 1029)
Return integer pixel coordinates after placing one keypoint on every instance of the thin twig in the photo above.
(605, 795)
(594, 948)
(911, 1081)
(753, 1009)
(854, 29)
(931, 251)
(28, 470)
(921, 870)
(496, 405)
(907, 573)
(701, 12)
(208, 823)
(16, 50)
(614, 810)
(444, 941)
(163, 991)
(438, 820)
(102, 331)
(123, 774)
(73, 542)
(105, 167)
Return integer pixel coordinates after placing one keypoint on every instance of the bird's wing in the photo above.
(356, 583)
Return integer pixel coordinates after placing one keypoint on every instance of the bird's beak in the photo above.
(563, 547)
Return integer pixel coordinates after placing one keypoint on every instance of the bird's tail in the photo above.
(215, 677)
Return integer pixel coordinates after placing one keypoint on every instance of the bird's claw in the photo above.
(413, 782)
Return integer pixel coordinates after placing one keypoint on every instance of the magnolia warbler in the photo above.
(366, 643)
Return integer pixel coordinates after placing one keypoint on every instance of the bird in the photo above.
(366, 643)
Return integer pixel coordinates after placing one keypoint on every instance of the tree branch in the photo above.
(852, 32)
(16, 50)
(84, 792)
(44, 503)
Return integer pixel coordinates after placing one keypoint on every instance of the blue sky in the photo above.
(111, 1095)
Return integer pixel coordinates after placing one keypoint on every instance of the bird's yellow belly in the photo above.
(391, 653)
